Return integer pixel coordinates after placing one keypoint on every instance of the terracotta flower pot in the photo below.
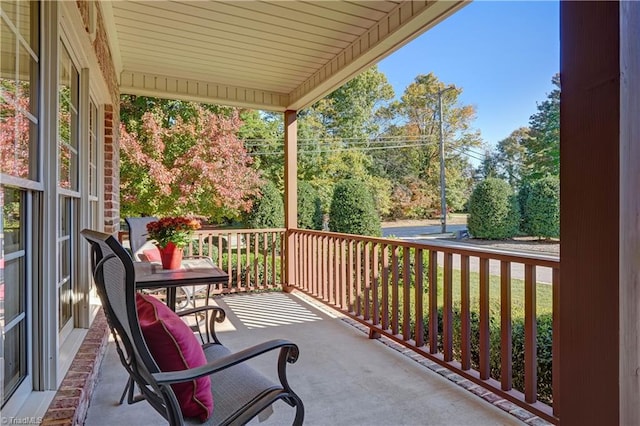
(171, 256)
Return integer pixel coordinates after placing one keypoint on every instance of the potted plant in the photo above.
(171, 235)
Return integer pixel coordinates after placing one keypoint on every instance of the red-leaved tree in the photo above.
(192, 164)
(14, 130)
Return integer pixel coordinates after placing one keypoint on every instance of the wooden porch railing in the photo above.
(253, 258)
(456, 305)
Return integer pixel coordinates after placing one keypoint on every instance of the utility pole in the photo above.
(443, 190)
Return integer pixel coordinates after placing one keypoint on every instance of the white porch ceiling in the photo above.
(271, 55)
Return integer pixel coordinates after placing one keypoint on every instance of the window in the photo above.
(19, 153)
(67, 122)
(18, 90)
(68, 187)
(13, 288)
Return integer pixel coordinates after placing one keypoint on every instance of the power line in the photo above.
(353, 148)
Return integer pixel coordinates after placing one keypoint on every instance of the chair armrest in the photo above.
(213, 315)
(288, 354)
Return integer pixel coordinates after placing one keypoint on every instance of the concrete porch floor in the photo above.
(342, 377)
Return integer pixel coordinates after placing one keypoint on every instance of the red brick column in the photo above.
(111, 171)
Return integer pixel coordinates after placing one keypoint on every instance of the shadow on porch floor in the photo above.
(343, 377)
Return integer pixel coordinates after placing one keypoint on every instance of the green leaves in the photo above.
(353, 210)
(493, 210)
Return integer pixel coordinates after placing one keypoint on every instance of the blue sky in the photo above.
(502, 54)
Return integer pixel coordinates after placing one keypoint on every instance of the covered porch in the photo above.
(342, 376)
(262, 55)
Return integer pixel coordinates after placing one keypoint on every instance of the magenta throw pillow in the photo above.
(174, 347)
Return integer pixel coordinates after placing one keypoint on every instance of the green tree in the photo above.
(542, 208)
(352, 209)
(489, 166)
(415, 132)
(543, 146)
(267, 210)
(309, 207)
(510, 157)
(334, 137)
(262, 133)
(493, 210)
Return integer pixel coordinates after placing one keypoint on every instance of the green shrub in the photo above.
(353, 210)
(309, 207)
(542, 208)
(523, 194)
(544, 346)
(493, 210)
(268, 210)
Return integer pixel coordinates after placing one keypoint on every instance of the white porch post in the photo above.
(290, 191)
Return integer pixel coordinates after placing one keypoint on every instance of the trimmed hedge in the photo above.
(309, 207)
(267, 211)
(353, 210)
(542, 208)
(493, 210)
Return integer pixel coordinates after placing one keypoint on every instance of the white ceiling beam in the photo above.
(145, 84)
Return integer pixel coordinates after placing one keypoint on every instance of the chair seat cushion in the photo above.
(174, 347)
(152, 255)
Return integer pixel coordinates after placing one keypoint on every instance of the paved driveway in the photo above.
(428, 234)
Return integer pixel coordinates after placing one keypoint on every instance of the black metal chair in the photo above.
(240, 393)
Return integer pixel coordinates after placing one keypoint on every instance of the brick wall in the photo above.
(111, 172)
(71, 402)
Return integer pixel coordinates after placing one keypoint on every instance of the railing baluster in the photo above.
(359, 279)
(304, 264)
(313, 285)
(330, 253)
(447, 309)
(465, 314)
(350, 297)
(325, 268)
(335, 292)
(336, 271)
(219, 249)
(484, 319)
(274, 278)
(433, 301)
(419, 294)
(385, 287)
(530, 344)
(283, 250)
(506, 362)
(308, 261)
(248, 261)
(265, 270)
(256, 258)
(238, 263)
(406, 293)
(395, 274)
(299, 254)
(376, 282)
(343, 274)
(367, 282)
(229, 263)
